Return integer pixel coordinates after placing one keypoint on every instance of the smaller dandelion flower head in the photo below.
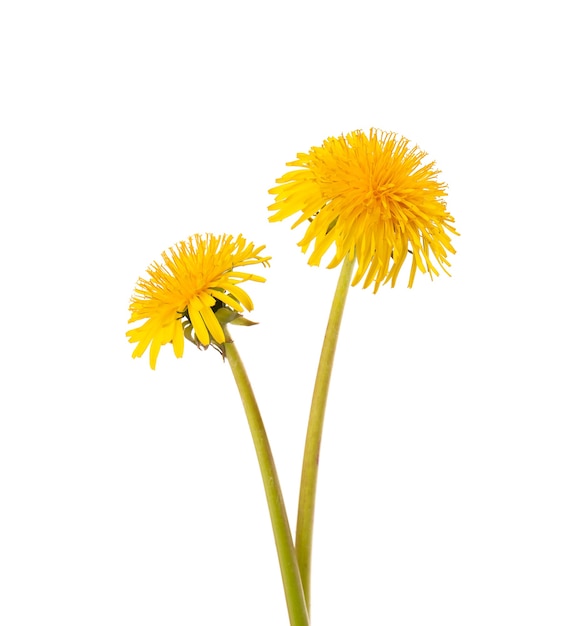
(193, 293)
(374, 199)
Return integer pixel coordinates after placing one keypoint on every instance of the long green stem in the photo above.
(290, 574)
(307, 497)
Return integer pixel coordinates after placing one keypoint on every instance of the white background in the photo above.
(454, 468)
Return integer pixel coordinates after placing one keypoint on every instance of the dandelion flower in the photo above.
(373, 198)
(193, 293)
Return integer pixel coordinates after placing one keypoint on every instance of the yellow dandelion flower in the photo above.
(373, 198)
(195, 286)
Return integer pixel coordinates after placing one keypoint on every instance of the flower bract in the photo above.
(371, 197)
(193, 293)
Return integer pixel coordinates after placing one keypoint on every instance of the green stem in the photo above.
(307, 498)
(290, 574)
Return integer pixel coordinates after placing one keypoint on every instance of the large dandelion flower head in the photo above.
(374, 199)
(193, 293)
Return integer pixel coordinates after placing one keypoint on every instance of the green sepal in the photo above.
(243, 321)
(228, 316)
(224, 315)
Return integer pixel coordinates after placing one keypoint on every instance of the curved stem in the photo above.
(307, 497)
(290, 574)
